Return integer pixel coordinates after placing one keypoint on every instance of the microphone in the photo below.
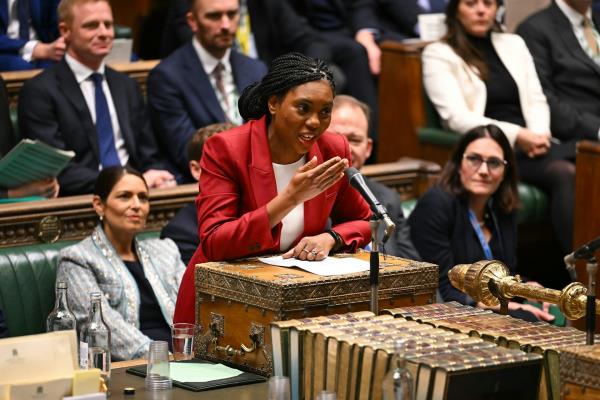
(587, 251)
(357, 181)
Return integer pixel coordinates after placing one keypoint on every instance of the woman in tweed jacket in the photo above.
(139, 279)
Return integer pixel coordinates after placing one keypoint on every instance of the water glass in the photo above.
(183, 341)
(158, 375)
(327, 395)
(279, 388)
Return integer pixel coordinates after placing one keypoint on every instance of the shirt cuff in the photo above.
(598, 133)
(27, 50)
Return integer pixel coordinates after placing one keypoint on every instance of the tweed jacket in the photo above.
(93, 265)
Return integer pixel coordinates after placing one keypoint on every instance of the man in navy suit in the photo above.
(29, 34)
(82, 105)
(200, 82)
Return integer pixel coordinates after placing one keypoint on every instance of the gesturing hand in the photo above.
(312, 248)
(311, 179)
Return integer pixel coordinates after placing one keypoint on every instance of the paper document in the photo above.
(201, 372)
(328, 267)
(31, 160)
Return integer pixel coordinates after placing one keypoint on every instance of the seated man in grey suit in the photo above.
(565, 42)
(80, 104)
(183, 227)
(199, 84)
(350, 118)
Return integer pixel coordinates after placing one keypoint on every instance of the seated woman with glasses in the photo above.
(470, 215)
(477, 75)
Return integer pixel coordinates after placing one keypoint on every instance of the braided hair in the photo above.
(286, 72)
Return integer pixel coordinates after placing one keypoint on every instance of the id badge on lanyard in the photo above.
(484, 244)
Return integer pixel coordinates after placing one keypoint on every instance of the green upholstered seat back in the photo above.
(27, 279)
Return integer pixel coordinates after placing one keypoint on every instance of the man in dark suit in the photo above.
(350, 118)
(84, 106)
(199, 83)
(29, 34)
(183, 227)
(275, 29)
(568, 64)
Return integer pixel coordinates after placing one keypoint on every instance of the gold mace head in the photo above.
(473, 279)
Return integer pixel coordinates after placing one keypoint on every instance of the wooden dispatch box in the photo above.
(237, 301)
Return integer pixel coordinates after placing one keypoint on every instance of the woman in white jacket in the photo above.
(477, 75)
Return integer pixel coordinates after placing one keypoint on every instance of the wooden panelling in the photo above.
(14, 80)
(401, 109)
(72, 218)
(587, 204)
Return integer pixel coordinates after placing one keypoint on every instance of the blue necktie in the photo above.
(104, 129)
(437, 6)
(23, 14)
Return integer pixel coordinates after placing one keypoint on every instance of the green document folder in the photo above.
(32, 160)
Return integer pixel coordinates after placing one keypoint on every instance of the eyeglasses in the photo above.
(494, 164)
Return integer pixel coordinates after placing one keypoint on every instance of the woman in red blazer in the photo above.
(270, 185)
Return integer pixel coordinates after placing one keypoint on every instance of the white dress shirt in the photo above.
(293, 223)
(209, 62)
(88, 88)
(12, 31)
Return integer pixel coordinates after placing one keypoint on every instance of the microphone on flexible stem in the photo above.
(357, 181)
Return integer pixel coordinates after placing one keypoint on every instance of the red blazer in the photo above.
(236, 184)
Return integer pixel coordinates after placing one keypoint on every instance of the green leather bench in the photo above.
(27, 280)
(534, 202)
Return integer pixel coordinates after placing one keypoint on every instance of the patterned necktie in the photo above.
(218, 75)
(23, 14)
(104, 129)
(588, 31)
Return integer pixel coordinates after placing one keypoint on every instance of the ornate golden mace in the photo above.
(489, 282)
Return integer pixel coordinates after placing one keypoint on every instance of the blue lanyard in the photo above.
(484, 245)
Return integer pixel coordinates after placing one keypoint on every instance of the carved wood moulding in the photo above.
(73, 218)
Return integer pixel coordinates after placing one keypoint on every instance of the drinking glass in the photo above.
(183, 341)
(158, 375)
(327, 395)
(279, 388)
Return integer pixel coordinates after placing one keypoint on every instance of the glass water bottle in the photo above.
(94, 340)
(60, 318)
(398, 384)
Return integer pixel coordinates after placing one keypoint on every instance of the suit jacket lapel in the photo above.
(70, 88)
(200, 83)
(570, 41)
(262, 177)
(119, 98)
(241, 75)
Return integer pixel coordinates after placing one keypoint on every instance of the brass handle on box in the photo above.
(255, 344)
(230, 351)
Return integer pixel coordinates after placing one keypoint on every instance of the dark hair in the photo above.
(506, 197)
(457, 38)
(109, 177)
(285, 72)
(196, 142)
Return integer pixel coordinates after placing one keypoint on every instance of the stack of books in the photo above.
(580, 366)
(538, 337)
(352, 353)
